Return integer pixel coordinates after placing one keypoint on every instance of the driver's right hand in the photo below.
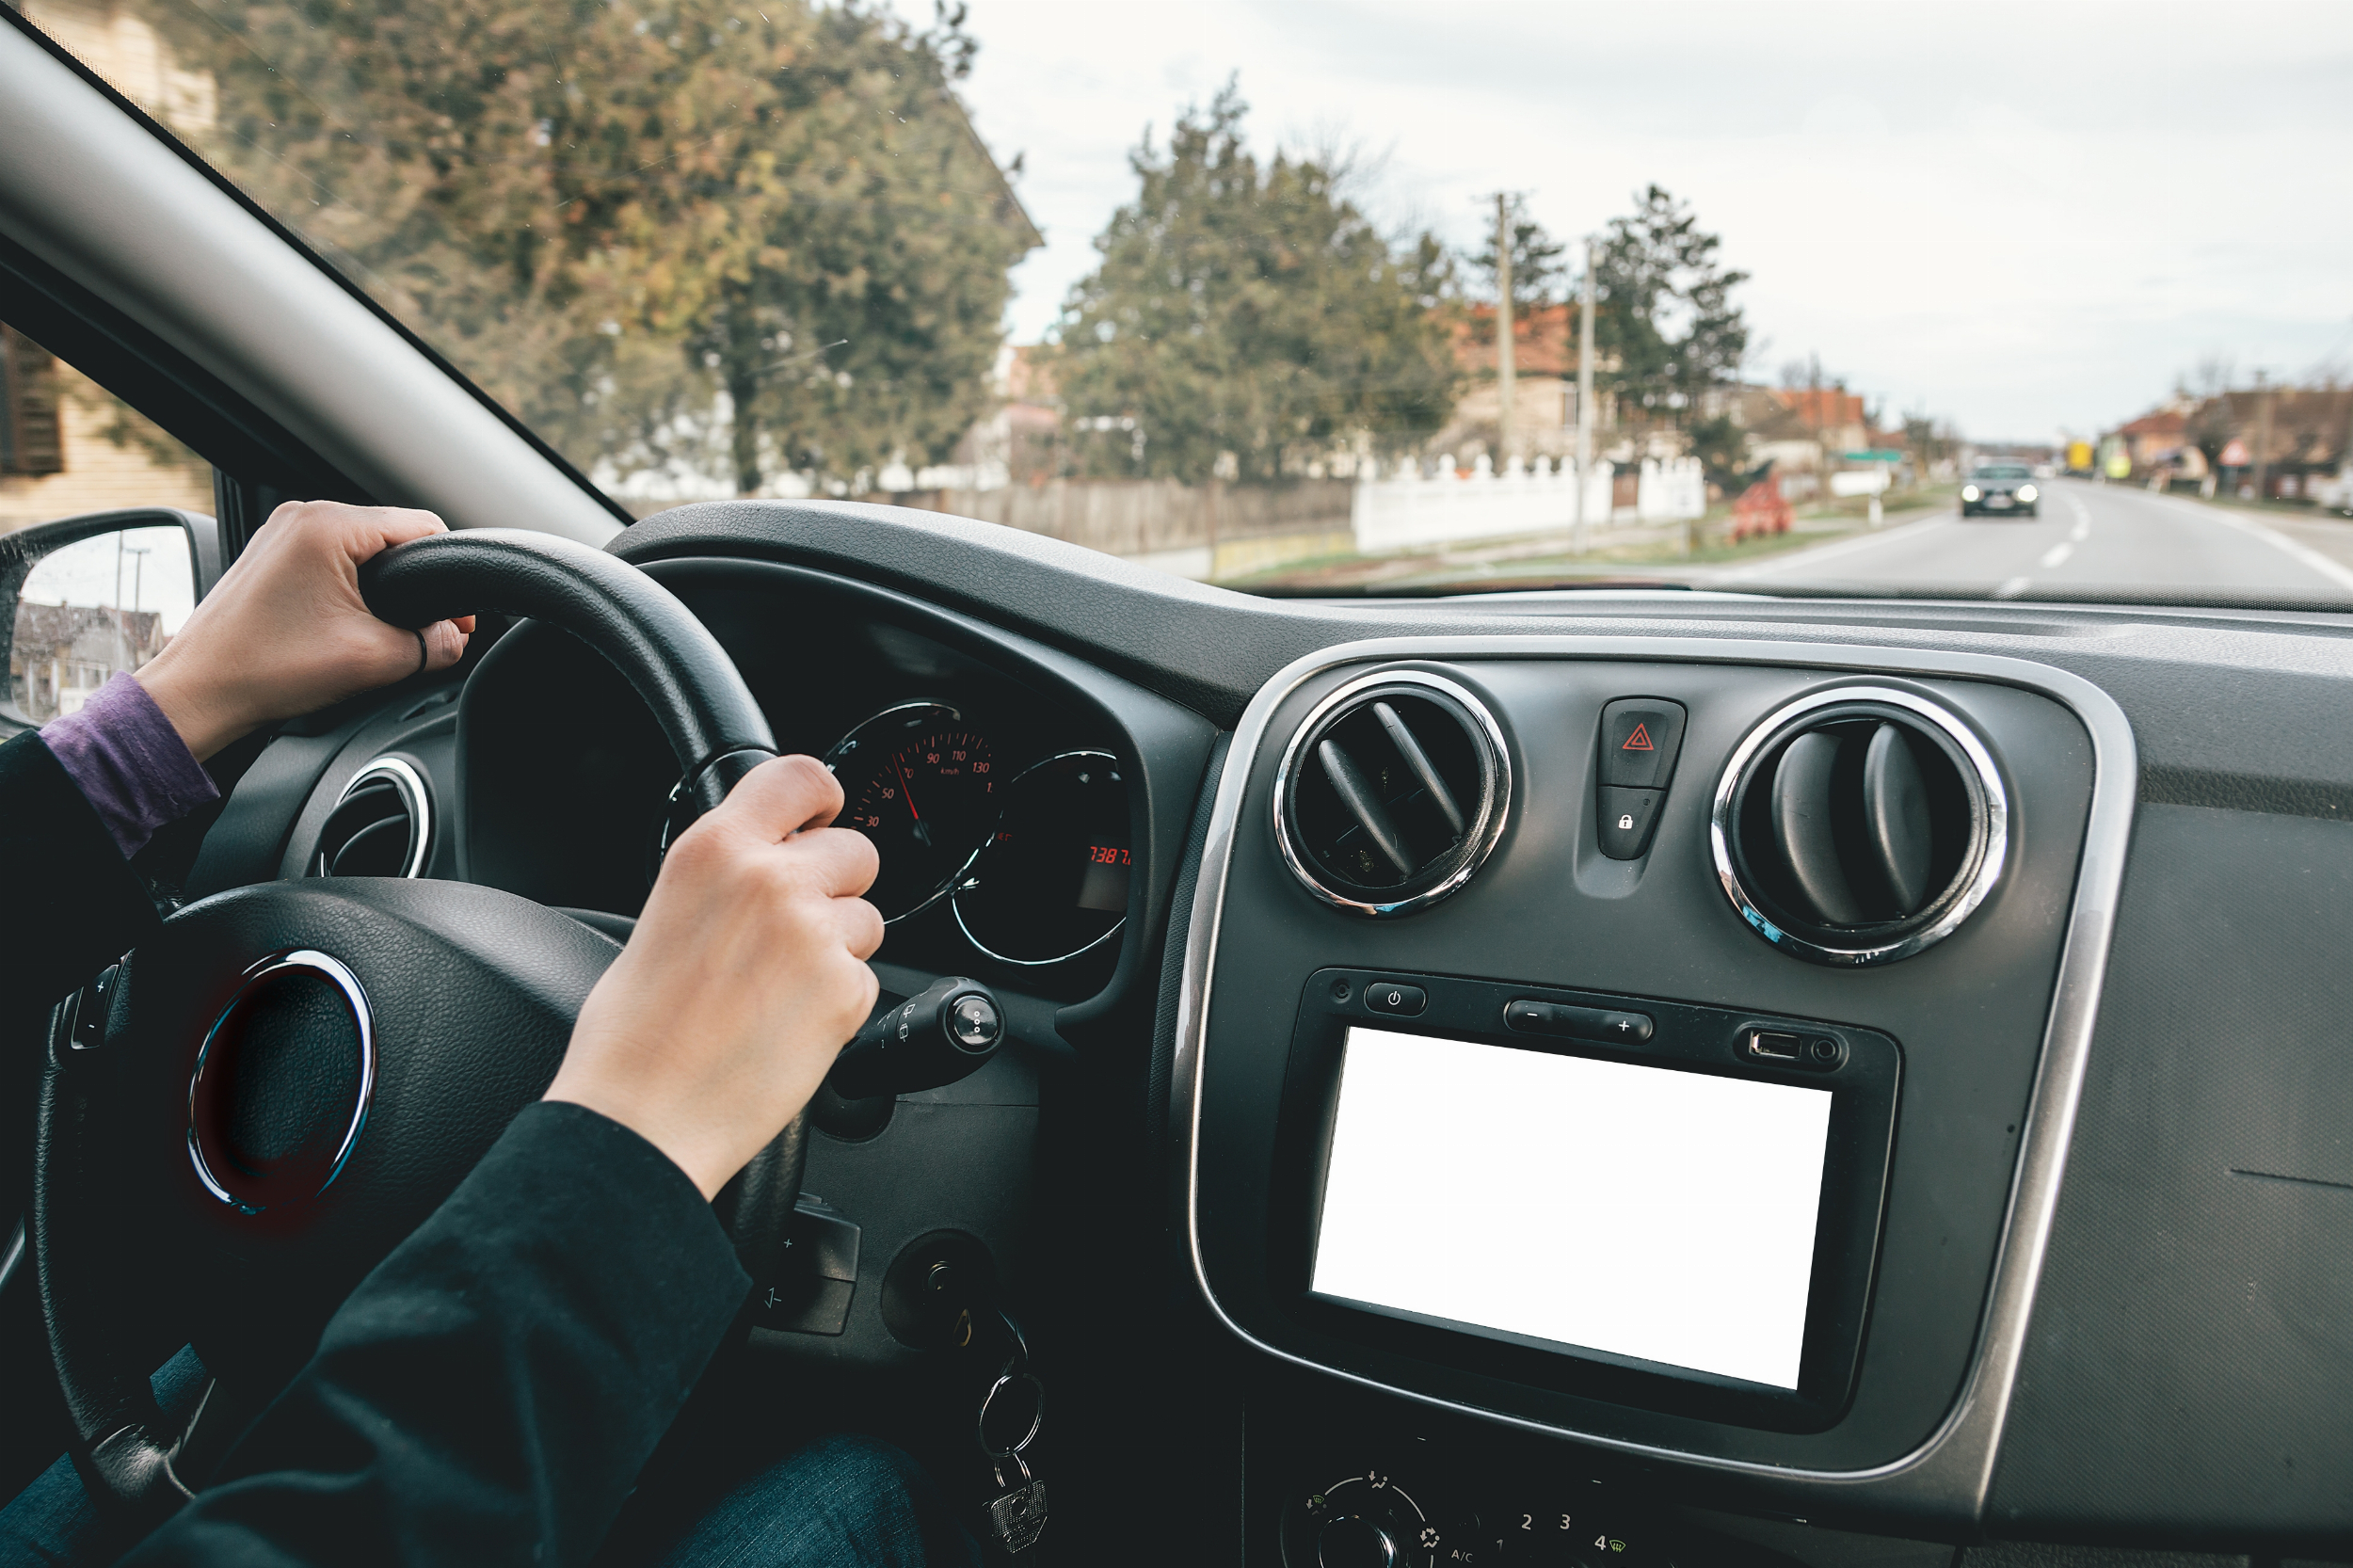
(745, 977)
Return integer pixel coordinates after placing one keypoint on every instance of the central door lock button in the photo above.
(1628, 817)
(1401, 1001)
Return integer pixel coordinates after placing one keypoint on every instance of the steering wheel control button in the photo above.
(1640, 738)
(90, 1010)
(1578, 1023)
(1628, 817)
(1398, 1002)
(818, 1273)
(282, 1084)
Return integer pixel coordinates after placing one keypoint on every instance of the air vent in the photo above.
(1860, 826)
(382, 826)
(1392, 793)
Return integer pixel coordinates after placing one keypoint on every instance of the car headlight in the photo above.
(1970, 492)
(2028, 492)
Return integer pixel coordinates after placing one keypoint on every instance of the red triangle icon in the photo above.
(1639, 740)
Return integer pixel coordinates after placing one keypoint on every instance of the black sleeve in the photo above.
(74, 904)
(489, 1393)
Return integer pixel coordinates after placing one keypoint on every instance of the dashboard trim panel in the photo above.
(1949, 1475)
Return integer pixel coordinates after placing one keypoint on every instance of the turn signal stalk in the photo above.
(947, 1033)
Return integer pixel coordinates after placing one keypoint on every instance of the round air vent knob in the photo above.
(1392, 793)
(1860, 825)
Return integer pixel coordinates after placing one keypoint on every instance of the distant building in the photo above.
(2299, 439)
(62, 653)
(66, 446)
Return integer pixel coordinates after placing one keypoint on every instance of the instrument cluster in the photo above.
(1024, 856)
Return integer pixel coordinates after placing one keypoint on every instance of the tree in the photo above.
(1247, 315)
(687, 234)
(1664, 322)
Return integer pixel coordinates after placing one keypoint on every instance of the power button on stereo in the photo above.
(1403, 1002)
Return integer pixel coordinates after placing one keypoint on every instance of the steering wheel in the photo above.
(289, 1078)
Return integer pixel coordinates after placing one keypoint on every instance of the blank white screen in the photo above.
(1667, 1216)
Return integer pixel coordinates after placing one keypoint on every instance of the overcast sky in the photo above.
(2028, 218)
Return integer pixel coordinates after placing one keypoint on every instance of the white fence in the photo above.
(1407, 511)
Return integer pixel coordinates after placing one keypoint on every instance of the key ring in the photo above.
(1037, 1416)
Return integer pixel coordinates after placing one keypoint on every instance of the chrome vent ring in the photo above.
(1859, 826)
(382, 825)
(1392, 792)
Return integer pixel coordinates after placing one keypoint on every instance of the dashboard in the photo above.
(1551, 1079)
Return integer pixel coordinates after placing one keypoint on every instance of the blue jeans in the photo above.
(840, 1502)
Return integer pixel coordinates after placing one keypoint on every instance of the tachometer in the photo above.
(919, 782)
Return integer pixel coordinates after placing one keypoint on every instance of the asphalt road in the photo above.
(2088, 538)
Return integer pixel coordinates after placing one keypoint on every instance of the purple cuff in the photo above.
(125, 756)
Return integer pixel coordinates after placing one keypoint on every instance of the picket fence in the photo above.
(1408, 510)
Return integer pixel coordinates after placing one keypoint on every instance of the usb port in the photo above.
(1767, 1045)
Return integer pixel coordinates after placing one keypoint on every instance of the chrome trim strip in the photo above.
(1483, 834)
(410, 786)
(329, 968)
(1993, 849)
(1949, 1475)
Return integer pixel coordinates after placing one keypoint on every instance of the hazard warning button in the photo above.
(1639, 736)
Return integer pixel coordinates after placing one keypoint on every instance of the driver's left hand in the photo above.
(286, 632)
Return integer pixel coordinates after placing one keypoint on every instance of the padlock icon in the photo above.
(1625, 823)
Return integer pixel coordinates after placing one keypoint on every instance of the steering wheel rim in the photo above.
(516, 959)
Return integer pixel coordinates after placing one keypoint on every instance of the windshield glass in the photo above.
(1337, 299)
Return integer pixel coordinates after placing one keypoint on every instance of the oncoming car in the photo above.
(2006, 489)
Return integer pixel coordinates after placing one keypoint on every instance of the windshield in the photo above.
(1345, 300)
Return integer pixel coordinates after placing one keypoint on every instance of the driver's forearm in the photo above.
(489, 1393)
(74, 904)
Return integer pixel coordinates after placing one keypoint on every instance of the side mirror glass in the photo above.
(86, 600)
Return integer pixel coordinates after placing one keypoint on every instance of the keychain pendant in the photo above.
(1018, 1518)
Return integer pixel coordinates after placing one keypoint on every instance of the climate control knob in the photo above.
(1352, 1540)
(1364, 1521)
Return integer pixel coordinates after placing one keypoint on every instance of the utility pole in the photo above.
(1503, 330)
(2262, 434)
(1584, 394)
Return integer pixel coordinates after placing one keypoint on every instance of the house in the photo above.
(67, 446)
(2295, 441)
(62, 653)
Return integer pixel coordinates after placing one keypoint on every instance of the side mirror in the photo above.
(84, 598)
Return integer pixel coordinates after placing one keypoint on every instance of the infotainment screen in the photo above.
(1640, 1211)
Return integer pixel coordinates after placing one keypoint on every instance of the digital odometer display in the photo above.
(1054, 881)
(1562, 1201)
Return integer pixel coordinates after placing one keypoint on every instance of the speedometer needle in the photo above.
(923, 828)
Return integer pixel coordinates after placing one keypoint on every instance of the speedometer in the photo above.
(919, 782)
